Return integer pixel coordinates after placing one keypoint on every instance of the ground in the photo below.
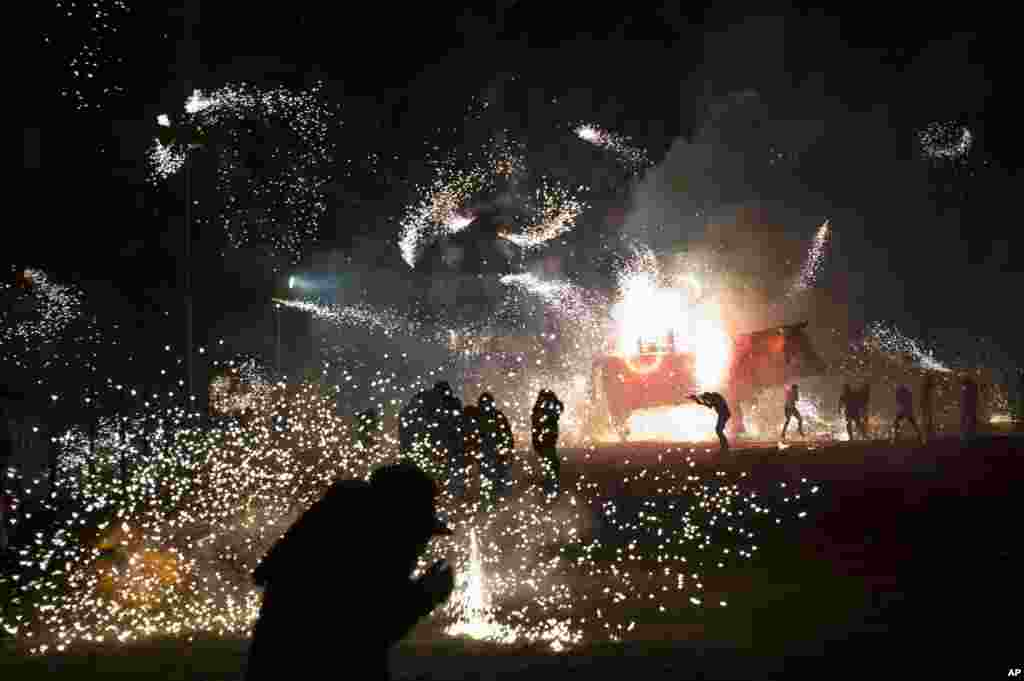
(910, 563)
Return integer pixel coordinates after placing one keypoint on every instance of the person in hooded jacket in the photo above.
(337, 587)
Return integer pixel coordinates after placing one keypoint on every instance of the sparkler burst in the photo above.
(441, 207)
(556, 213)
(273, 169)
(945, 141)
(886, 338)
(813, 262)
(56, 307)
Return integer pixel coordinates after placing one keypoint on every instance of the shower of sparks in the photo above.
(556, 214)
(169, 518)
(97, 23)
(277, 207)
(56, 307)
(441, 208)
(634, 157)
(887, 339)
(814, 260)
(947, 141)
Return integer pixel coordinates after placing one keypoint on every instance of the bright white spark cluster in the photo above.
(279, 205)
(886, 338)
(56, 306)
(95, 22)
(945, 140)
(814, 261)
(441, 207)
(635, 157)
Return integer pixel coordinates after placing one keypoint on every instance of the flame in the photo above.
(682, 423)
(713, 348)
(667, 318)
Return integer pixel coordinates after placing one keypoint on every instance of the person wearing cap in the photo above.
(337, 587)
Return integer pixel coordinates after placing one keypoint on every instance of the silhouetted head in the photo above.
(486, 402)
(796, 387)
(406, 505)
(847, 388)
(443, 387)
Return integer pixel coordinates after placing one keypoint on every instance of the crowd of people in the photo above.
(853, 406)
(475, 436)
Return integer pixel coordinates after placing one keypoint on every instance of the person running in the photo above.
(928, 406)
(904, 411)
(968, 410)
(721, 407)
(792, 396)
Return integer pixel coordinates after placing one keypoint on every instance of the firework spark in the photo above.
(945, 141)
(98, 25)
(441, 208)
(814, 261)
(635, 157)
(887, 339)
(279, 204)
(557, 212)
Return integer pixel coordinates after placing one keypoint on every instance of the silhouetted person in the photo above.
(721, 407)
(412, 422)
(928, 406)
(968, 410)
(367, 426)
(846, 399)
(547, 411)
(337, 592)
(904, 412)
(496, 446)
(471, 436)
(792, 395)
(448, 414)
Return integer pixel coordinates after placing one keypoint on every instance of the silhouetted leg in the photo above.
(849, 428)
(799, 423)
(720, 430)
(785, 426)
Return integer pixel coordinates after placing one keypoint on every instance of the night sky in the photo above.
(929, 245)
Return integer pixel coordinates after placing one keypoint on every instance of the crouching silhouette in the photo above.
(337, 587)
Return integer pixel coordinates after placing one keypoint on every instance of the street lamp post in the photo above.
(188, 278)
(277, 319)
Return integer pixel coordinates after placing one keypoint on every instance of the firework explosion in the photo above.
(634, 157)
(280, 204)
(814, 261)
(945, 141)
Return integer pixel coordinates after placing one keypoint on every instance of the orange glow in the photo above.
(642, 367)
